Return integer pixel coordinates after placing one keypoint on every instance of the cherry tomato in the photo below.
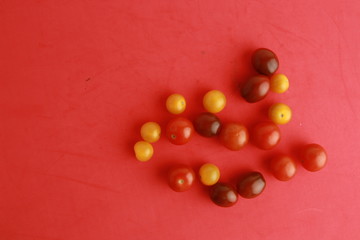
(255, 88)
(234, 136)
(251, 185)
(150, 132)
(283, 167)
(279, 83)
(214, 101)
(265, 135)
(223, 195)
(207, 124)
(265, 61)
(143, 151)
(175, 103)
(280, 113)
(179, 131)
(209, 174)
(313, 157)
(181, 178)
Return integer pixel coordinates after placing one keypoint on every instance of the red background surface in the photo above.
(78, 78)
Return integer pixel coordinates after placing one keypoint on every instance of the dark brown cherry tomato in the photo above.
(234, 136)
(181, 178)
(207, 124)
(313, 157)
(283, 167)
(255, 88)
(179, 131)
(265, 61)
(265, 135)
(251, 185)
(223, 195)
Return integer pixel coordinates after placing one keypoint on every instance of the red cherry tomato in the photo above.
(234, 136)
(313, 157)
(179, 131)
(255, 88)
(283, 167)
(181, 178)
(223, 195)
(265, 135)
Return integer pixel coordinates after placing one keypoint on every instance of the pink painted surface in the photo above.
(78, 78)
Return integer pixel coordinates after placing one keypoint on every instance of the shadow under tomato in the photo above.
(243, 70)
(266, 160)
(295, 149)
(239, 174)
(195, 105)
(163, 170)
(128, 148)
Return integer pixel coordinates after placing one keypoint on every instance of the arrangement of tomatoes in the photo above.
(234, 136)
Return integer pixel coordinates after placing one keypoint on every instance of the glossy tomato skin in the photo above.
(265, 61)
(265, 135)
(143, 151)
(313, 157)
(214, 101)
(150, 132)
(255, 88)
(176, 103)
(223, 194)
(179, 131)
(251, 185)
(207, 124)
(283, 167)
(280, 113)
(234, 136)
(279, 83)
(181, 178)
(209, 174)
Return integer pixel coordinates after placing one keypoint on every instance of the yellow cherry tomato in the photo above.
(279, 83)
(143, 151)
(214, 101)
(175, 103)
(280, 113)
(150, 132)
(209, 174)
